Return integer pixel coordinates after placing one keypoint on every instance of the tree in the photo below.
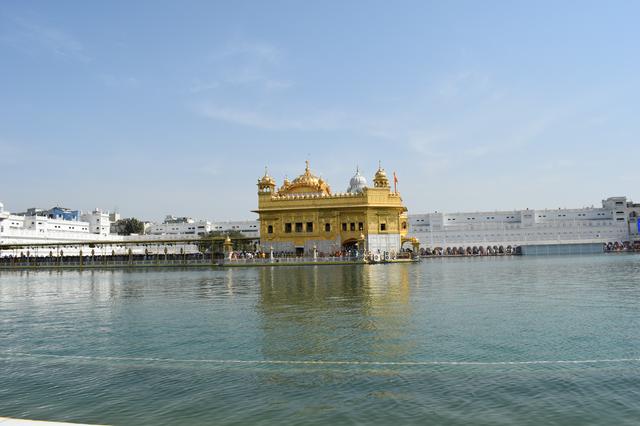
(130, 226)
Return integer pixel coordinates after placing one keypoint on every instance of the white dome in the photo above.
(357, 183)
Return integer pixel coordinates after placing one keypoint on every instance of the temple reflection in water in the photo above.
(319, 311)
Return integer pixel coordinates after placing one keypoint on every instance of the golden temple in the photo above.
(305, 217)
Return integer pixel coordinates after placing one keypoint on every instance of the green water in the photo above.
(383, 341)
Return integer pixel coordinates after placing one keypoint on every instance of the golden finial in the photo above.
(306, 169)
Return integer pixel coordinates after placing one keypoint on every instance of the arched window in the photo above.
(327, 227)
(270, 229)
(404, 225)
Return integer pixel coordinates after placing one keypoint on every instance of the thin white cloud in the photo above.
(250, 50)
(469, 119)
(210, 169)
(258, 119)
(13, 152)
(261, 82)
(115, 81)
(328, 119)
(254, 75)
(30, 37)
(477, 121)
(200, 87)
(462, 84)
(9, 153)
(431, 147)
(478, 134)
(277, 84)
(249, 64)
(562, 164)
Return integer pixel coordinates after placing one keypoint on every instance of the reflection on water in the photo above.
(515, 309)
(318, 311)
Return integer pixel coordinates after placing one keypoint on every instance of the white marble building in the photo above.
(188, 226)
(37, 228)
(249, 228)
(180, 226)
(612, 222)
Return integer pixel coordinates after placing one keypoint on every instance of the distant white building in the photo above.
(188, 226)
(615, 221)
(60, 225)
(55, 225)
(249, 228)
(99, 222)
(180, 226)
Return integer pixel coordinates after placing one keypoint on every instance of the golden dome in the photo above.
(266, 181)
(306, 183)
(381, 174)
(380, 180)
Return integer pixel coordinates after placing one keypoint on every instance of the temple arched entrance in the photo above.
(350, 245)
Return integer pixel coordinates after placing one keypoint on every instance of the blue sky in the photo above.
(176, 107)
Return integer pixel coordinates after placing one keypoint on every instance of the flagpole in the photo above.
(395, 183)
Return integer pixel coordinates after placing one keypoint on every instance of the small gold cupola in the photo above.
(380, 180)
(266, 183)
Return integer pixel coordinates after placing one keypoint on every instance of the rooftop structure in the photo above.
(61, 213)
(174, 219)
(357, 184)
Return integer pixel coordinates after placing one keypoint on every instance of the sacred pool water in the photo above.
(527, 340)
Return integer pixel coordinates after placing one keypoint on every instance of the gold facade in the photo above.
(303, 215)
